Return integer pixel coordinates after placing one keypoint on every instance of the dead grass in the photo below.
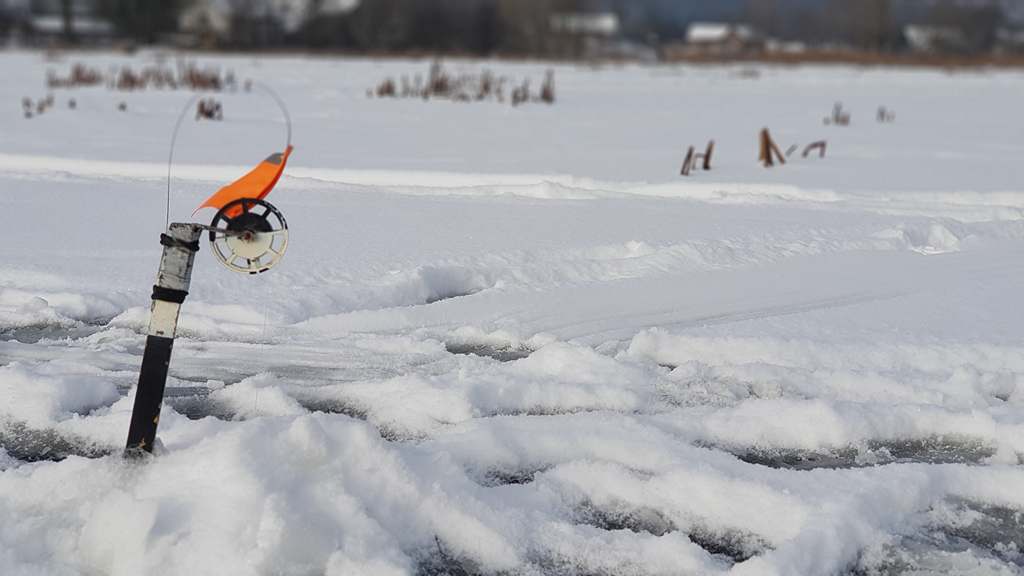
(185, 76)
(441, 84)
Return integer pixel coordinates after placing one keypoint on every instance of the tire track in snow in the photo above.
(627, 325)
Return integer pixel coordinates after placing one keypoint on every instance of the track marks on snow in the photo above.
(625, 325)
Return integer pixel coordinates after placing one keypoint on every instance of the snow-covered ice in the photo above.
(515, 341)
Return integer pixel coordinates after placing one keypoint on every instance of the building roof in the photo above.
(205, 17)
(927, 38)
(82, 25)
(595, 23)
(1010, 36)
(215, 15)
(714, 32)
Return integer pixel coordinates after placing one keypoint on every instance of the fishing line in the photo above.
(181, 116)
(170, 156)
(281, 105)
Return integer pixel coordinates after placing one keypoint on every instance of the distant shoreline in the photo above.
(809, 57)
(901, 60)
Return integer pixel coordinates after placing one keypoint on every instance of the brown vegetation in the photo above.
(839, 117)
(186, 76)
(443, 85)
(769, 150)
(692, 159)
(209, 109)
(547, 90)
(820, 146)
(770, 153)
(80, 75)
(34, 108)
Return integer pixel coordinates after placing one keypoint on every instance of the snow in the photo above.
(515, 341)
(42, 396)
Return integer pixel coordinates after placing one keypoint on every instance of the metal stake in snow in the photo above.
(248, 236)
(172, 283)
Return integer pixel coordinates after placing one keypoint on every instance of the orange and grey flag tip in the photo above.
(256, 184)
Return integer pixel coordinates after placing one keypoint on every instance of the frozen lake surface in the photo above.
(514, 340)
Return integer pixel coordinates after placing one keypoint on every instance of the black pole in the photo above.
(172, 283)
(150, 393)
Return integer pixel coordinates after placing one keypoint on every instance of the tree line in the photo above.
(523, 27)
(877, 25)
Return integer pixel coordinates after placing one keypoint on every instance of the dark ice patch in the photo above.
(328, 405)
(39, 445)
(732, 545)
(35, 333)
(440, 560)
(964, 532)
(450, 295)
(933, 553)
(194, 403)
(936, 450)
(392, 434)
(507, 476)
(736, 546)
(933, 450)
(499, 353)
(186, 391)
(997, 529)
(199, 407)
(639, 520)
(792, 459)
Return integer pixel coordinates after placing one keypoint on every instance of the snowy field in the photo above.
(514, 340)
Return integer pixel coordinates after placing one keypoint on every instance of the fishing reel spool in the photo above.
(249, 236)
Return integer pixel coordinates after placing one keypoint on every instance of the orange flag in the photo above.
(256, 184)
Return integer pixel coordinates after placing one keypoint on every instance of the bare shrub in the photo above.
(469, 87)
(209, 109)
(692, 159)
(820, 146)
(769, 150)
(521, 95)
(839, 117)
(547, 90)
(158, 76)
(386, 89)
